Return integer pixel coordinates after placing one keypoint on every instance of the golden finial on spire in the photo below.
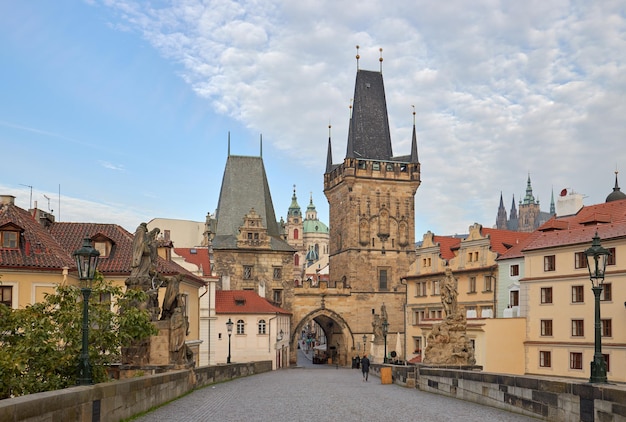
(381, 59)
(357, 57)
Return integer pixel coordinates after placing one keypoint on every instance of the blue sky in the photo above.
(126, 105)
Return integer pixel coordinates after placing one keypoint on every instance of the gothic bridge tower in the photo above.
(372, 225)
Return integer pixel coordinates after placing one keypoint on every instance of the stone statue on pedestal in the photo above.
(447, 343)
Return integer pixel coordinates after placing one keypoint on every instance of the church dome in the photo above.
(617, 194)
(314, 226)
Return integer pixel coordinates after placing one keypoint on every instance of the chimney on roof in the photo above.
(7, 200)
(568, 203)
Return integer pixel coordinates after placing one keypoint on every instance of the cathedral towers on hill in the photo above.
(528, 218)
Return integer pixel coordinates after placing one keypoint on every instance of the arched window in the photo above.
(241, 327)
(317, 249)
(262, 326)
(296, 260)
(295, 234)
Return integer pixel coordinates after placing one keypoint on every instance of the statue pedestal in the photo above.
(448, 345)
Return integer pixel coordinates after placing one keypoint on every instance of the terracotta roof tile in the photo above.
(198, 256)
(503, 240)
(37, 248)
(447, 245)
(244, 302)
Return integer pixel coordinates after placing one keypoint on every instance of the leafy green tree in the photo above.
(40, 344)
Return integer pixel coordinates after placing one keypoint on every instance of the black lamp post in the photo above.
(86, 262)
(229, 328)
(385, 331)
(596, 275)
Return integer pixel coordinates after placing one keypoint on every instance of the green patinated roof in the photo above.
(314, 226)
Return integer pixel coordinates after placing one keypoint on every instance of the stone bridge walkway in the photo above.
(320, 393)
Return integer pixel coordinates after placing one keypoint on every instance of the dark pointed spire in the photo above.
(329, 154)
(529, 198)
(294, 208)
(501, 217)
(552, 207)
(513, 215)
(261, 146)
(414, 157)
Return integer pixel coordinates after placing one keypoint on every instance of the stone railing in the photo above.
(540, 397)
(120, 399)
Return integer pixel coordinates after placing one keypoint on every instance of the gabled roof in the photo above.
(447, 245)
(244, 302)
(503, 240)
(70, 236)
(38, 249)
(608, 219)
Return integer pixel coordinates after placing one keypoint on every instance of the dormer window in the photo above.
(9, 239)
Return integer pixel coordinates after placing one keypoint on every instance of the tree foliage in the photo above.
(40, 345)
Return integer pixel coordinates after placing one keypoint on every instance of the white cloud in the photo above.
(500, 89)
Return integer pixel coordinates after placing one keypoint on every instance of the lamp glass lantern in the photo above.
(597, 258)
(86, 263)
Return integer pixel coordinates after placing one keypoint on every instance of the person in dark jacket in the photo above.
(365, 367)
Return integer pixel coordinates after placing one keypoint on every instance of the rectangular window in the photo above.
(607, 328)
(606, 294)
(578, 328)
(487, 283)
(546, 295)
(435, 313)
(580, 260)
(241, 327)
(514, 270)
(418, 316)
(6, 295)
(608, 362)
(278, 273)
(247, 272)
(514, 298)
(472, 285)
(9, 239)
(262, 327)
(278, 296)
(382, 279)
(578, 294)
(610, 260)
(426, 262)
(545, 359)
(549, 263)
(546, 327)
(576, 360)
(470, 256)
(486, 311)
(420, 288)
(436, 291)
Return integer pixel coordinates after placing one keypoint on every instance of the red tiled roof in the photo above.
(118, 262)
(447, 245)
(608, 219)
(226, 302)
(200, 258)
(37, 248)
(52, 248)
(503, 240)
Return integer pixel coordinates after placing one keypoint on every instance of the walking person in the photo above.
(365, 367)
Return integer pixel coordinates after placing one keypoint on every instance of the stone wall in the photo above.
(121, 399)
(544, 398)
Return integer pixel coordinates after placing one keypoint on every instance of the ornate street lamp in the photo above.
(229, 328)
(385, 331)
(597, 267)
(364, 342)
(86, 262)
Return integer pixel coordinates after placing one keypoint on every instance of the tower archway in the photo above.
(338, 335)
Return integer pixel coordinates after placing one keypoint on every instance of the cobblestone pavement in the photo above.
(319, 393)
